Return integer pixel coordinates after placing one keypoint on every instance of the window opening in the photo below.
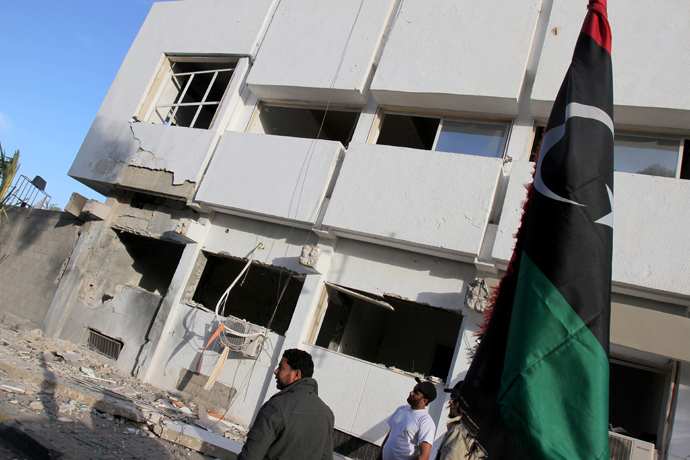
(637, 400)
(150, 263)
(254, 297)
(412, 337)
(467, 136)
(354, 447)
(652, 155)
(191, 93)
(306, 122)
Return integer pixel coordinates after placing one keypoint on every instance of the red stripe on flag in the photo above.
(597, 25)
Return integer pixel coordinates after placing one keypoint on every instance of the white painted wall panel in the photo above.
(238, 236)
(650, 48)
(353, 390)
(468, 56)
(417, 277)
(190, 332)
(434, 199)
(320, 51)
(651, 230)
(275, 176)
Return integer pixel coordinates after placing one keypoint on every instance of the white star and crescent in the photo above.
(554, 135)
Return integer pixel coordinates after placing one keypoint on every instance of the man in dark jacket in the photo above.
(294, 424)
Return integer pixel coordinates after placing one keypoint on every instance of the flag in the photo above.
(539, 383)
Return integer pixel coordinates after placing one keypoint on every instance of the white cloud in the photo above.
(5, 123)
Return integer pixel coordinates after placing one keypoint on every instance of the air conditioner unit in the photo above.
(627, 448)
(243, 337)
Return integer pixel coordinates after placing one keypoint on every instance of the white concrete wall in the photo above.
(362, 396)
(238, 236)
(417, 198)
(195, 27)
(468, 56)
(320, 51)
(650, 48)
(272, 176)
(190, 331)
(383, 270)
(652, 229)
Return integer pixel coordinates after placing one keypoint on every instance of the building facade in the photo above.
(370, 157)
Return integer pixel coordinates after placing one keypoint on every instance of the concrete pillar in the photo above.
(153, 354)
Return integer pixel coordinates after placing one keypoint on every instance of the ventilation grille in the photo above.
(238, 326)
(104, 345)
(353, 447)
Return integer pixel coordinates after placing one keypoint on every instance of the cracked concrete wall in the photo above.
(432, 200)
(34, 249)
(229, 28)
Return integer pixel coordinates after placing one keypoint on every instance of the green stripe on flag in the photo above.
(554, 394)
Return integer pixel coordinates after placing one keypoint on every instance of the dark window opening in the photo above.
(154, 260)
(354, 447)
(536, 144)
(308, 123)
(636, 400)
(413, 337)
(408, 131)
(192, 94)
(254, 297)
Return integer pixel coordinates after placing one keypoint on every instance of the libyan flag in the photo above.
(539, 384)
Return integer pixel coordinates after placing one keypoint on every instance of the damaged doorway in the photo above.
(386, 330)
(255, 296)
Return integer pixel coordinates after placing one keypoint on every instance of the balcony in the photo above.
(432, 202)
(273, 178)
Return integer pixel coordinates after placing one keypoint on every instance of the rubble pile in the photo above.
(66, 394)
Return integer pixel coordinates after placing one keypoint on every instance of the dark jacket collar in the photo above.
(306, 384)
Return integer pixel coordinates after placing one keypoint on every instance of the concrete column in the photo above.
(153, 354)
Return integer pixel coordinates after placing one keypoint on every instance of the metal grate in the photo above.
(353, 447)
(619, 447)
(104, 345)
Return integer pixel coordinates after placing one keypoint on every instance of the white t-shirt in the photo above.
(409, 428)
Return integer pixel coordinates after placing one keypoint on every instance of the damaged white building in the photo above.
(370, 156)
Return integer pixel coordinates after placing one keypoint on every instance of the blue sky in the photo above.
(58, 61)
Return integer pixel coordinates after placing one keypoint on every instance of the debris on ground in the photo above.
(65, 394)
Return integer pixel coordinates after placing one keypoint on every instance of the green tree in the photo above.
(8, 169)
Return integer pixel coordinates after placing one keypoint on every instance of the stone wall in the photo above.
(35, 246)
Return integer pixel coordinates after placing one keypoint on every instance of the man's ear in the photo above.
(298, 375)
(426, 402)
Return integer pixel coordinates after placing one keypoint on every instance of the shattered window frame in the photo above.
(469, 126)
(346, 328)
(188, 91)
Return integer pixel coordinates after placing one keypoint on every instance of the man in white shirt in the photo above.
(412, 430)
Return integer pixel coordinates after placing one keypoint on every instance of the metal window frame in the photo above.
(176, 105)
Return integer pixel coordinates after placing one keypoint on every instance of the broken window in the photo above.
(383, 329)
(149, 263)
(306, 122)
(255, 296)
(473, 137)
(637, 400)
(188, 92)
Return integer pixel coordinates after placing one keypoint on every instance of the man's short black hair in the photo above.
(299, 360)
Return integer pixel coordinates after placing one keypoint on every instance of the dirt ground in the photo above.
(45, 385)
